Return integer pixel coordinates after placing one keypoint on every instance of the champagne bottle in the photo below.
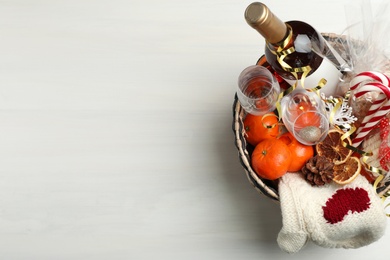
(294, 49)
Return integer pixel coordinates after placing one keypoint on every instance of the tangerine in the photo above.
(259, 128)
(300, 153)
(271, 159)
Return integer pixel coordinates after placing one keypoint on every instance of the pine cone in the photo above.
(318, 170)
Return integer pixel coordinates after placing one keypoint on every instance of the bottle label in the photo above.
(325, 71)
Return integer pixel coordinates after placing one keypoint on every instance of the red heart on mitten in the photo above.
(344, 202)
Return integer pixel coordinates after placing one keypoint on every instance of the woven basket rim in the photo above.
(244, 156)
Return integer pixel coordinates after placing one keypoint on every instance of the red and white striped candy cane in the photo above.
(384, 95)
(369, 76)
(374, 120)
(373, 81)
(367, 82)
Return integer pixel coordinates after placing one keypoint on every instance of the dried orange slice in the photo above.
(332, 147)
(347, 172)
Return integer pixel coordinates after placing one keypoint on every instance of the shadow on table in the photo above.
(260, 216)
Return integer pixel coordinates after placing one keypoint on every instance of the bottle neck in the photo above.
(260, 18)
(284, 44)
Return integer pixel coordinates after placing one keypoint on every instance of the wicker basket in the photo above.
(267, 187)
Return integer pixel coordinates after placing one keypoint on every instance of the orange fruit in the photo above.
(300, 153)
(271, 159)
(259, 128)
(348, 171)
(332, 147)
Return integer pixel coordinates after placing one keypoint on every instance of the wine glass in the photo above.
(258, 90)
(304, 115)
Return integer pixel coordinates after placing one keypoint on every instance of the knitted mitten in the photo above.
(348, 216)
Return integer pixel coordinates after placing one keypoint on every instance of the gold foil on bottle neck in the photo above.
(258, 16)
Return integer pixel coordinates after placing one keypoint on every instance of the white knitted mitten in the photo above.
(348, 216)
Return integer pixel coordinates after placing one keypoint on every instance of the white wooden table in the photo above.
(115, 131)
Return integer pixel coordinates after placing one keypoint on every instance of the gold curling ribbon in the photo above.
(319, 86)
(372, 168)
(333, 112)
(281, 53)
(269, 126)
(385, 195)
(387, 214)
(294, 71)
(281, 95)
(357, 150)
(377, 181)
(279, 107)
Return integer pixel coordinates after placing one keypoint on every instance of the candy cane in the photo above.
(376, 105)
(374, 86)
(369, 76)
(366, 82)
(384, 95)
(374, 120)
